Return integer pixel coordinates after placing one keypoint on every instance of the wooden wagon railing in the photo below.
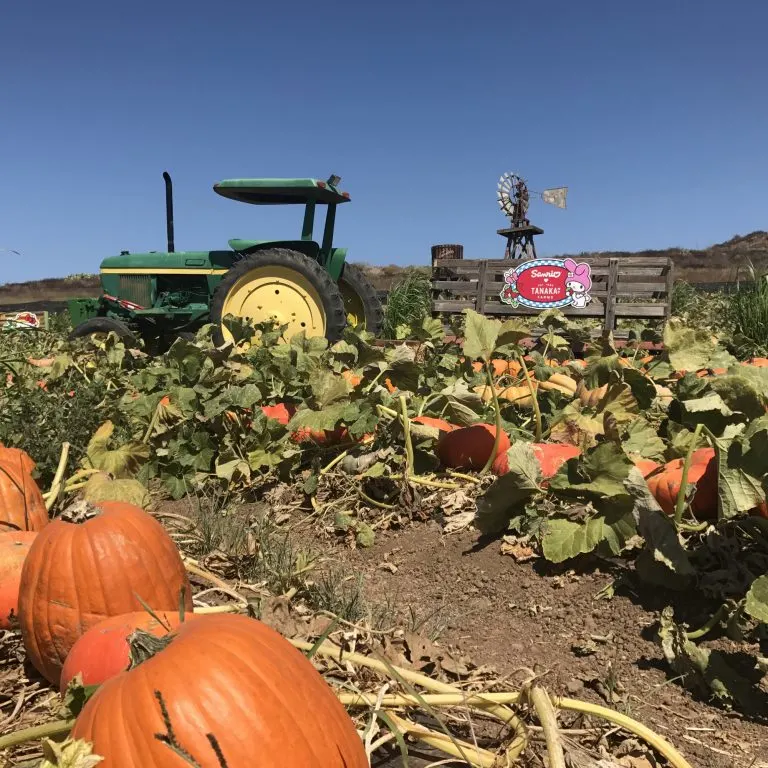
(631, 287)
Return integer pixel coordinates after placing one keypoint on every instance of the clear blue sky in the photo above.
(654, 114)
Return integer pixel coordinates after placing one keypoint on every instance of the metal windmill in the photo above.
(514, 198)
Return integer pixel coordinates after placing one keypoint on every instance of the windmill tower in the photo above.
(514, 198)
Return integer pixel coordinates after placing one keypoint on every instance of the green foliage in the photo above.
(409, 302)
(748, 312)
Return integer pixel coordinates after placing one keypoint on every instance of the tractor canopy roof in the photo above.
(280, 191)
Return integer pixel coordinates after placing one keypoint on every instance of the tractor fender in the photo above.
(307, 247)
(335, 263)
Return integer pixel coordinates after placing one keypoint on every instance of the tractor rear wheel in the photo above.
(361, 303)
(103, 325)
(282, 285)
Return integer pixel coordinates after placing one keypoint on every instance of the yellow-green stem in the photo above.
(711, 623)
(53, 494)
(407, 432)
(45, 731)
(536, 409)
(426, 481)
(331, 464)
(680, 503)
(497, 413)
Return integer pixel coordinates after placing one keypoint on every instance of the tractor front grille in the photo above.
(136, 288)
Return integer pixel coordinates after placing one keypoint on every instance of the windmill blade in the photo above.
(556, 196)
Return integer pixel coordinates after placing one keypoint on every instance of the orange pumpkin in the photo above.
(22, 506)
(103, 652)
(430, 421)
(14, 546)
(590, 398)
(761, 510)
(78, 573)
(647, 466)
(280, 412)
(500, 367)
(560, 382)
(665, 485)
(552, 456)
(470, 447)
(229, 680)
(352, 378)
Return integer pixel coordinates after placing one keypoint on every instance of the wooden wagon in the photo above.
(631, 287)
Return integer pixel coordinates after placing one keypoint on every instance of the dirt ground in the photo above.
(511, 615)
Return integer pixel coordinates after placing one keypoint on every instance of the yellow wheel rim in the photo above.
(353, 305)
(279, 293)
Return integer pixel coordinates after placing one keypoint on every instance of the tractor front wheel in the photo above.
(361, 303)
(103, 325)
(280, 285)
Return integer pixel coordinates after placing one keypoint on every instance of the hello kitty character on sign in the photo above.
(578, 282)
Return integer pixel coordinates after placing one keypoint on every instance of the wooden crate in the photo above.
(635, 287)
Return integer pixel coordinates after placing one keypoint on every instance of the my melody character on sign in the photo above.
(578, 282)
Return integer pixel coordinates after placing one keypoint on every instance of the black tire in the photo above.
(353, 280)
(104, 325)
(328, 290)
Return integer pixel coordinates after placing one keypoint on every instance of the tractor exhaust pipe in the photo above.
(169, 210)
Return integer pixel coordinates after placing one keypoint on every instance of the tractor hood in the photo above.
(280, 191)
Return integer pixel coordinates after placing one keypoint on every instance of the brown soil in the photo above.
(510, 615)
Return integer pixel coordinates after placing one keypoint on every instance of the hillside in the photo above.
(718, 263)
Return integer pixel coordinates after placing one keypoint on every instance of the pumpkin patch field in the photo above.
(475, 550)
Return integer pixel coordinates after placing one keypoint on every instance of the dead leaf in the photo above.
(459, 522)
(517, 548)
(276, 613)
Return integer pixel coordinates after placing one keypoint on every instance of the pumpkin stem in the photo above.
(142, 646)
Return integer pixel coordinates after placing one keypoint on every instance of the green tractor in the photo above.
(301, 283)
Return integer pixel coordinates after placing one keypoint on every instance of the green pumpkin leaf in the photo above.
(598, 474)
(740, 394)
(706, 671)
(328, 418)
(101, 487)
(505, 497)
(756, 604)
(642, 438)
(565, 539)
(480, 336)
(328, 388)
(688, 349)
(119, 462)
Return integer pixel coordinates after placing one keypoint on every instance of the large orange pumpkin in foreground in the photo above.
(78, 573)
(231, 677)
(22, 506)
(665, 485)
(103, 651)
(470, 447)
(14, 546)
